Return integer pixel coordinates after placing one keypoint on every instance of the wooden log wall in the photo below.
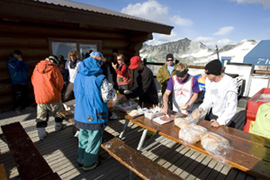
(33, 41)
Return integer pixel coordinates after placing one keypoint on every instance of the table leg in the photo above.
(124, 129)
(142, 139)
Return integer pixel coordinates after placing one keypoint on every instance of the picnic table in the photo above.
(249, 153)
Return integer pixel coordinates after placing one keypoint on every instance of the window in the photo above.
(62, 47)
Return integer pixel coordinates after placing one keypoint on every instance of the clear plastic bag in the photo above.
(215, 144)
(153, 113)
(196, 116)
(180, 122)
(137, 112)
(192, 133)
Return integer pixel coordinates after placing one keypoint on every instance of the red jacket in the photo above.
(123, 77)
(48, 82)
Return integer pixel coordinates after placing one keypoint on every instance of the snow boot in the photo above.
(58, 126)
(42, 134)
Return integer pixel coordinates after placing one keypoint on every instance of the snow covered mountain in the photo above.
(195, 53)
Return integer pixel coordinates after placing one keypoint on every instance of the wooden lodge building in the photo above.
(40, 28)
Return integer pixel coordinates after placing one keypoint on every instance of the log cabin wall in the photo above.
(33, 39)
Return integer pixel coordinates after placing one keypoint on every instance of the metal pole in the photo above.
(217, 51)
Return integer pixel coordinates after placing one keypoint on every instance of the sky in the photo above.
(212, 22)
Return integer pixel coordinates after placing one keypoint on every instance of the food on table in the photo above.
(182, 106)
(192, 133)
(214, 143)
(179, 122)
(167, 118)
(153, 113)
(133, 112)
(196, 114)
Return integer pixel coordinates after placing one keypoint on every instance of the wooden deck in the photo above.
(59, 150)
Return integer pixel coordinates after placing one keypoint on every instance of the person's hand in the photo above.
(165, 109)
(19, 57)
(127, 91)
(214, 123)
(114, 65)
(184, 106)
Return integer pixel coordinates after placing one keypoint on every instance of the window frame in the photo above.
(77, 41)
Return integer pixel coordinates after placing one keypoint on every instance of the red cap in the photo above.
(135, 61)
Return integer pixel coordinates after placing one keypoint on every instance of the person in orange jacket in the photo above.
(48, 82)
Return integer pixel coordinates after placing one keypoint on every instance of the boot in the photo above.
(58, 126)
(42, 134)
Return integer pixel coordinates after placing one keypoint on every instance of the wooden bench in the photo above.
(132, 159)
(3, 175)
(136, 162)
(30, 163)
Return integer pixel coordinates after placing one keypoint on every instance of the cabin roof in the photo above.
(73, 12)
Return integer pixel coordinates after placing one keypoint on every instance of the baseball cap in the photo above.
(135, 61)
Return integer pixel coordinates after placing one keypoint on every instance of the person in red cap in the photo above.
(144, 85)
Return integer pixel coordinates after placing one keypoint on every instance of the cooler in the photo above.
(261, 97)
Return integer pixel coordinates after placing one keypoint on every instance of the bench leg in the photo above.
(130, 175)
(124, 129)
(146, 147)
(142, 139)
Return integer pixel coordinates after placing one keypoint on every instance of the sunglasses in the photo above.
(169, 60)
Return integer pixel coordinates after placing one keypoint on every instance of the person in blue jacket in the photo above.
(17, 68)
(92, 92)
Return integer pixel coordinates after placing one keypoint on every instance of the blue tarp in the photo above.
(259, 55)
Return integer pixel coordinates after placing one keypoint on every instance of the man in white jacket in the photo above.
(220, 99)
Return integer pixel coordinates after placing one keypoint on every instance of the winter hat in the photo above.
(115, 50)
(54, 59)
(213, 67)
(17, 52)
(135, 61)
(97, 55)
(169, 56)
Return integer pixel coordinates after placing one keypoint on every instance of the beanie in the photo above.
(18, 52)
(54, 59)
(169, 56)
(97, 55)
(213, 67)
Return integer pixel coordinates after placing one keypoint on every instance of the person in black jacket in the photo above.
(144, 85)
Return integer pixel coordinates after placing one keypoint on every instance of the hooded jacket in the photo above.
(17, 71)
(91, 113)
(48, 82)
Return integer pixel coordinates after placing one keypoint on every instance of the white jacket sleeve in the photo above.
(230, 108)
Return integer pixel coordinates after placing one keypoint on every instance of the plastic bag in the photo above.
(127, 106)
(153, 113)
(193, 118)
(137, 112)
(180, 122)
(215, 144)
(196, 116)
(192, 133)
